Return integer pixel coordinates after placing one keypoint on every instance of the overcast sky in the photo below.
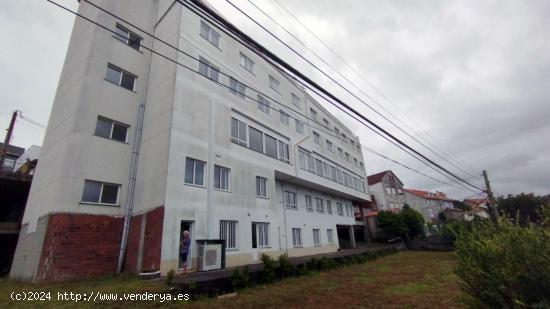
(471, 77)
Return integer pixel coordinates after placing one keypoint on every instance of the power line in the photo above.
(281, 64)
(36, 123)
(364, 79)
(188, 68)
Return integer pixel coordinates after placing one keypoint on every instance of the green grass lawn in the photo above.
(403, 280)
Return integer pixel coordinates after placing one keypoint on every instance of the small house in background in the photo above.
(387, 190)
(26, 163)
(429, 204)
(12, 154)
(479, 207)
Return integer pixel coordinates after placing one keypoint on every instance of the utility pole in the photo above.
(4, 150)
(492, 200)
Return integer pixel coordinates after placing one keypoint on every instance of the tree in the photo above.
(414, 222)
(522, 208)
(408, 223)
(392, 224)
(460, 205)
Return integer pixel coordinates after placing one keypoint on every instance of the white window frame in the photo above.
(297, 238)
(330, 236)
(237, 88)
(285, 118)
(221, 170)
(113, 123)
(194, 181)
(121, 73)
(299, 126)
(329, 207)
(316, 138)
(238, 139)
(319, 205)
(229, 232)
(261, 181)
(309, 203)
(212, 72)
(101, 192)
(126, 38)
(283, 151)
(295, 100)
(262, 228)
(274, 83)
(246, 62)
(264, 105)
(340, 209)
(329, 145)
(209, 34)
(291, 198)
(317, 237)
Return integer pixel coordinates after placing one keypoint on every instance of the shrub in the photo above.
(170, 276)
(302, 270)
(269, 268)
(504, 265)
(414, 222)
(286, 269)
(240, 278)
(391, 224)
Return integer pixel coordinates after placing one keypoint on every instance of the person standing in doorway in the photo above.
(185, 243)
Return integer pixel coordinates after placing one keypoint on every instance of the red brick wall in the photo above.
(78, 246)
(153, 240)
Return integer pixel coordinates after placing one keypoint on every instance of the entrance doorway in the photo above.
(187, 226)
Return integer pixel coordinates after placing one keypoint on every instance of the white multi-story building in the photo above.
(387, 190)
(429, 204)
(232, 149)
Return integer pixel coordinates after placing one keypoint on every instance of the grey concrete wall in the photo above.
(29, 249)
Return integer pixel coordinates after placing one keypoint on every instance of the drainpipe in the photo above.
(134, 165)
(210, 165)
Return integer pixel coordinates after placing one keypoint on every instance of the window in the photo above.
(319, 167)
(317, 138)
(329, 207)
(238, 132)
(295, 100)
(313, 114)
(283, 151)
(208, 70)
(333, 173)
(100, 192)
(296, 237)
(285, 118)
(346, 180)
(355, 162)
(261, 186)
(340, 209)
(263, 104)
(361, 165)
(273, 83)
(237, 88)
(120, 77)
(309, 204)
(260, 235)
(270, 146)
(210, 34)
(316, 237)
(111, 129)
(247, 63)
(325, 122)
(194, 172)
(347, 157)
(255, 139)
(290, 200)
(221, 178)
(8, 163)
(228, 231)
(330, 237)
(319, 205)
(358, 148)
(127, 37)
(340, 152)
(340, 176)
(299, 126)
(326, 170)
(336, 130)
(329, 145)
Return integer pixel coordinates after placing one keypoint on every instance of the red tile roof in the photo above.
(376, 178)
(429, 195)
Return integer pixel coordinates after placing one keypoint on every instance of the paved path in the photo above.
(194, 277)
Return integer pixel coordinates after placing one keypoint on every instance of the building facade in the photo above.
(429, 204)
(231, 149)
(387, 190)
